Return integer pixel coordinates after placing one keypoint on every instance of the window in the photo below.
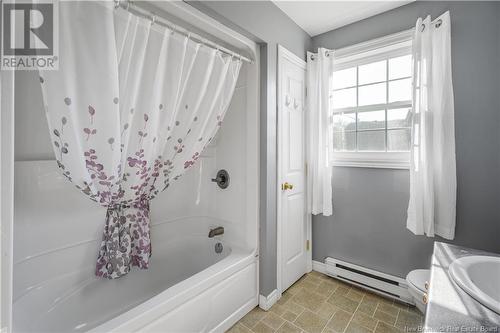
(371, 100)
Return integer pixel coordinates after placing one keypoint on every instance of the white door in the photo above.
(292, 220)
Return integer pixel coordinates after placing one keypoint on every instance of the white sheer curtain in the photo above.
(319, 131)
(432, 205)
(130, 109)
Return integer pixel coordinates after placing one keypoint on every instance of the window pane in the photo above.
(344, 78)
(371, 120)
(371, 140)
(344, 141)
(400, 67)
(399, 90)
(374, 72)
(344, 98)
(398, 140)
(399, 117)
(372, 94)
(344, 121)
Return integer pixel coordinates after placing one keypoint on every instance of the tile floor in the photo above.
(318, 303)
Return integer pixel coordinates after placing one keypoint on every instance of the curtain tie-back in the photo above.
(125, 242)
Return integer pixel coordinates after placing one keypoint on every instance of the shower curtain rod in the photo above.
(136, 10)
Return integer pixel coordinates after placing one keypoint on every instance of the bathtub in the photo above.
(188, 288)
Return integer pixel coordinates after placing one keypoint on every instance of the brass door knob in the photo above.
(286, 186)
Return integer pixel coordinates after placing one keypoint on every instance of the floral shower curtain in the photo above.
(130, 109)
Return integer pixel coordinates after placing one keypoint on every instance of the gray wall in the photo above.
(267, 24)
(368, 223)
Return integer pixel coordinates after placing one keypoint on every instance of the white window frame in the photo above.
(392, 46)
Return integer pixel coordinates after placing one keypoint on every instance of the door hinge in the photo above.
(307, 245)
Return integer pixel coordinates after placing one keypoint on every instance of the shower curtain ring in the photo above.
(117, 4)
(153, 19)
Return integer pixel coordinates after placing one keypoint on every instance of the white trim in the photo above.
(375, 107)
(383, 160)
(283, 53)
(367, 52)
(384, 52)
(266, 302)
(278, 172)
(374, 44)
(252, 177)
(319, 267)
(7, 100)
(309, 233)
(399, 39)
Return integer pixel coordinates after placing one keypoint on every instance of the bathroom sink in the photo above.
(479, 276)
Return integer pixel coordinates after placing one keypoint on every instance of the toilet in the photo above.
(417, 280)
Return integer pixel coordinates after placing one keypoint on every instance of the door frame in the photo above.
(7, 105)
(284, 54)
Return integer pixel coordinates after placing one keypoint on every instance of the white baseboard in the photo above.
(319, 266)
(265, 302)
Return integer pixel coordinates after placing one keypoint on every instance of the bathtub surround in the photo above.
(433, 180)
(368, 225)
(82, 302)
(124, 137)
(319, 132)
(47, 206)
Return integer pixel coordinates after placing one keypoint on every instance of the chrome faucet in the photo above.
(216, 232)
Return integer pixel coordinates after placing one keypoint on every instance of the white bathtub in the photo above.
(188, 288)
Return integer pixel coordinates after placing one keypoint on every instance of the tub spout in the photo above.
(216, 232)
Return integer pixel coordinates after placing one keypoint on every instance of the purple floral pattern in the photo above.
(120, 151)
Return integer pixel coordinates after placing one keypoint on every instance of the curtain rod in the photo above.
(397, 37)
(136, 10)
